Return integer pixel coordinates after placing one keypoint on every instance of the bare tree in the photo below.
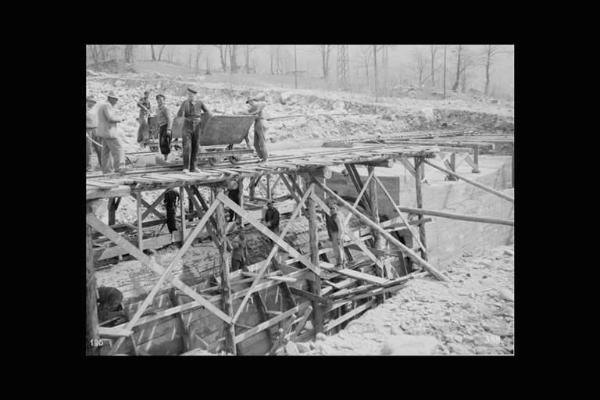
(198, 53)
(152, 51)
(489, 52)
(325, 52)
(420, 63)
(432, 52)
(458, 67)
(160, 52)
(342, 65)
(375, 68)
(233, 58)
(128, 53)
(222, 55)
(249, 49)
(93, 51)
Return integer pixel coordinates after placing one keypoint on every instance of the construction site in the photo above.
(424, 190)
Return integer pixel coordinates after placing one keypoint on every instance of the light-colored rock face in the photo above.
(466, 316)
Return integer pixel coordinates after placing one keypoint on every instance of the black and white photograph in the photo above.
(299, 200)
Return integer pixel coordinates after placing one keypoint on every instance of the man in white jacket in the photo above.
(111, 141)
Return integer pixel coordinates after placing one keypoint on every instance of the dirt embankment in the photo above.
(472, 314)
(351, 114)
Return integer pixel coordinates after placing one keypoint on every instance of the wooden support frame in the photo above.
(267, 324)
(332, 324)
(408, 226)
(278, 242)
(419, 168)
(182, 212)
(92, 335)
(479, 185)
(95, 223)
(225, 285)
(460, 217)
(314, 258)
(389, 237)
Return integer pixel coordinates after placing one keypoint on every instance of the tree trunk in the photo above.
(488, 62)
(271, 58)
(160, 52)
(232, 59)
(325, 50)
(455, 86)
(152, 50)
(223, 57)
(433, 51)
(247, 66)
(375, 68)
(445, 47)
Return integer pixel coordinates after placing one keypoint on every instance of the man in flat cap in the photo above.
(192, 110)
(111, 140)
(272, 218)
(91, 123)
(145, 110)
(164, 126)
(257, 104)
(335, 229)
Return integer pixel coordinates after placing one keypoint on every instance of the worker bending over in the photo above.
(110, 309)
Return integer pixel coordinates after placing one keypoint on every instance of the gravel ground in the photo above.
(471, 314)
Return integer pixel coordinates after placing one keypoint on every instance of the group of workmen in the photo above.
(104, 137)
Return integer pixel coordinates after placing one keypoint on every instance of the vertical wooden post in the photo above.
(512, 169)
(225, 286)
(475, 170)
(91, 318)
(374, 206)
(418, 180)
(182, 208)
(269, 186)
(241, 188)
(140, 230)
(452, 166)
(252, 188)
(191, 208)
(314, 258)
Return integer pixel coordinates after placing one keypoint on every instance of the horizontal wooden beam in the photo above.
(332, 324)
(267, 324)
(461, 217)
(310, 296)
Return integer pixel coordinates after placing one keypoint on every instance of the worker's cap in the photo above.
(192, 90)
(90, 99)
(160, 95)
(232, 184)
(111, 95)
(270, 202)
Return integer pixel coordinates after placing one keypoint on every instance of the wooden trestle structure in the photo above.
(237, 316)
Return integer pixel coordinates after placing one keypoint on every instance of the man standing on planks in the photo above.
(145, 110)
(170, 201)
(91, 123)
(239, 254)
(257, 105)
(111, 140)
(272, 218)
(192, 128)
(233, 192)
(164, 126)
(335, 229)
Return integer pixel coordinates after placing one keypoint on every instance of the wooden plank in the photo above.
(389, 237)
(461, 217)
(95, 223)
(301, 323)
(354, 274)
(267, 231)
(332, 324)
(391, 200)
(420, 170)
(114, 332)
(267, 324)
(91, 317)
(479, 185)
(310, 296)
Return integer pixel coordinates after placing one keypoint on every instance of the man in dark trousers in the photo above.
(171, 197)
(335, 229)
(233, 192)
(191, 110)
(239, 254)
(272, 218)
(145, 110)
(164, 126)
(110, 309)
